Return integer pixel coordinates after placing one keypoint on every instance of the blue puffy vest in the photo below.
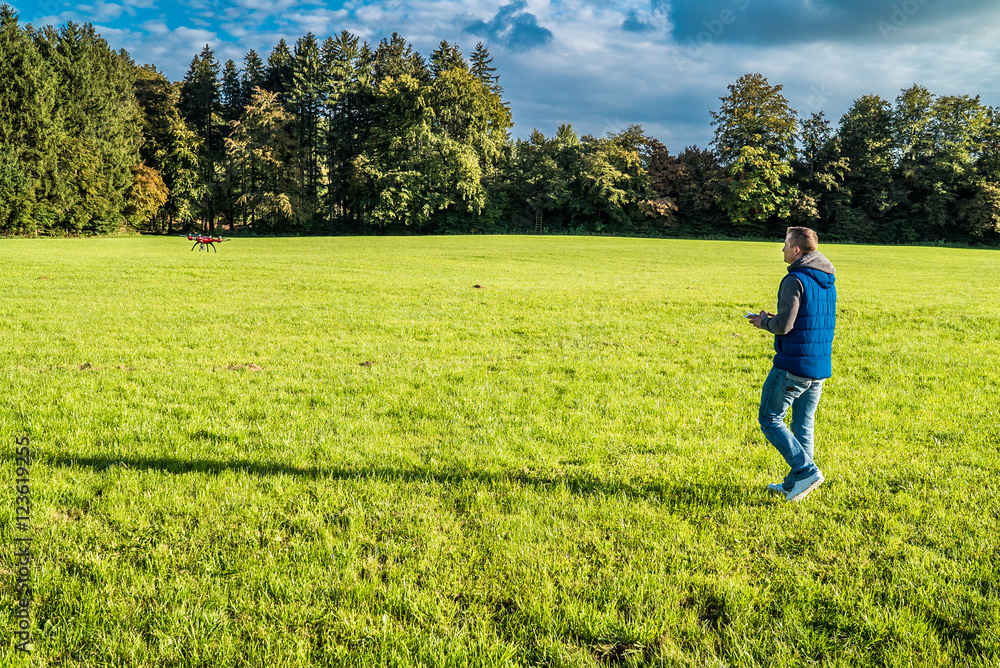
(807, 349)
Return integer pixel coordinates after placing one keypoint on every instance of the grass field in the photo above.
(340, 452)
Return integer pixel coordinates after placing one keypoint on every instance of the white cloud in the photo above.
(101, 11)
(155, 27)
(318, 22)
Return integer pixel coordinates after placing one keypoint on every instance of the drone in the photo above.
(204, 241)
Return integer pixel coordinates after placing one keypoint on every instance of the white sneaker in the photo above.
(804, 486)
(777, 488)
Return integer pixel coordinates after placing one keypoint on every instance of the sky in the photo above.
(602, 66)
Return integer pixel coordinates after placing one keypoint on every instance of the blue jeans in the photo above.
(782, 391)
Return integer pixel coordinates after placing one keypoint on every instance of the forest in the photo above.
(338, 136)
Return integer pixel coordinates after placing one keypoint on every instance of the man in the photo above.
(803, 345)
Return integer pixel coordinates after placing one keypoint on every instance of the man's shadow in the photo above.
(676, 496)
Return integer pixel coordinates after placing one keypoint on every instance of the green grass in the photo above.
(560, 468)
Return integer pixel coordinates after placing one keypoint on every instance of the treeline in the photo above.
(69, 132)
(340, 137)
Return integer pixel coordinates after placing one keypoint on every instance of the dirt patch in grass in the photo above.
(615, 654)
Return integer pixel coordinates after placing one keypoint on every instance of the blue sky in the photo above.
(603, 65)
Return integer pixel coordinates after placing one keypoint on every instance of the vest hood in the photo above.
(817, 267)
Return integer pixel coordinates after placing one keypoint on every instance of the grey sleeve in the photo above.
(789, 297)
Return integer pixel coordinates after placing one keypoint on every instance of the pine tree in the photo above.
(98, 110)
(157, 99)
(447, 56)
(483, 69)
(394, 58)
(350, 65)
(254, 76)
(200, 105)
(279, 71)
(231, 91)
(29, 130)
(201, 98)
(307, 96)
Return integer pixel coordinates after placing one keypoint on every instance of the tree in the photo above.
(755, 139)
(819, 172)
(939, 140)
(306, 97)
(758, 188)
(660, 167)
(170, 148)
(157, 99)
(279, 70)
(467, 111)
(867, 141)
(446, 57)
(145, 196)
(16, 185)
(393, 58)
(438, 141)
(201, 98)
(96, 105)
(483, 69)
(911, 121)
(613, 182)
(260, 148)
(30, 130)
(469, 114)
(413, 171)
(755, 114)
(981, 212)
(200, 105)
(688, 189)
(350, 66)
(542, 181)
(254, 76)
(815, 134)
(231, 90)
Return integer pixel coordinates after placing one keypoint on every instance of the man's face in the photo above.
(792, 253)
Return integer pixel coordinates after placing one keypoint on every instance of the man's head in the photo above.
(799, 241)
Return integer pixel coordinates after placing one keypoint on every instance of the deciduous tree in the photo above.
(755, 140)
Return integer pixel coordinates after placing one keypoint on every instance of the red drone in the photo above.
(204, 241)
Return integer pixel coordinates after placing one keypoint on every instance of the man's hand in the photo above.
(756, 320)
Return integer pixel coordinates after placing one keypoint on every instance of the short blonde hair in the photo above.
(802, 237)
